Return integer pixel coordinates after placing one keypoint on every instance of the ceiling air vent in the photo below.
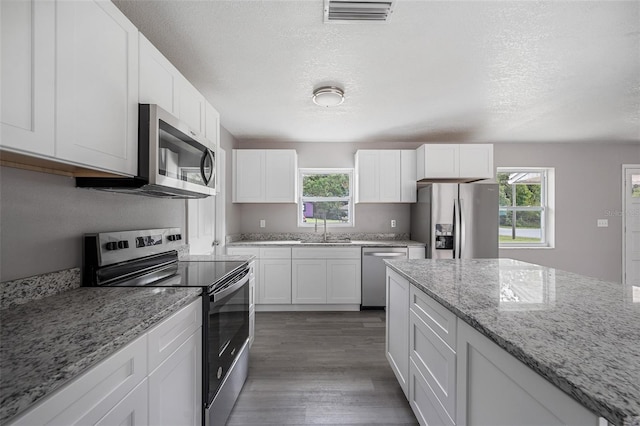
(345, 11)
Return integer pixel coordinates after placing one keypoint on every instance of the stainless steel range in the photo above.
(150, 258)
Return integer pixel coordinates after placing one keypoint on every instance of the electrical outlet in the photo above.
(393, 223)
(263, 223)
(603, 223)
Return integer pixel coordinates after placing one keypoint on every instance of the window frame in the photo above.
(545, 208)
(302, 172)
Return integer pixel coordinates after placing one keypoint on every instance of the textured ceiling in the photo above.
(478, 71)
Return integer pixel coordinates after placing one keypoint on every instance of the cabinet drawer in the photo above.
(91, 396)
(275, 253)
(244, 251)
(441, 320)
(425, 405)
(169, 335)
(325, 253)
(435, 361)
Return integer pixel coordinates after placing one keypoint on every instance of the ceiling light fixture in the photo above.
(328, 96)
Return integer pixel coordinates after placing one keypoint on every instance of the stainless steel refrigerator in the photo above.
(457, 220)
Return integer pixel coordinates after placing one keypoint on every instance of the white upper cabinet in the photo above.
(158, 78)
(453, 161)
(191, 105)
(96, 86)
(476, 160)
(385, 176)
(408, 186)
(161, 83)
(212, 125)
(27, 30)
(265, 175)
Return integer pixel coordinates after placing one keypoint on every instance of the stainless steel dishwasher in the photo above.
(374, 274)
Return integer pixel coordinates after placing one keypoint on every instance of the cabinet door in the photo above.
(367, 182)
(248, 172)
(212, 126)
(27, 85)
(343, 281)
(191, 105)
(494, 388)
(476, 161)
(158, 78)
(309, 281)
(275, 281)
(389, 176)
(132, 410)
(397, 331)
(96, 86)
(441, 160)
(280, 176)
(175, 387)
(408, 186)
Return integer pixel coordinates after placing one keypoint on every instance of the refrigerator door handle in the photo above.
(462, 236)
(456, 229)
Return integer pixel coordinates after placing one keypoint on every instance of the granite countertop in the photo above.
(329, 243)
(47, 342)
(580, 333)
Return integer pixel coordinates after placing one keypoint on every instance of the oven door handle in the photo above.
(231, 289)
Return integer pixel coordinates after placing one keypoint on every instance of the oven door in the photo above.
(228, 330)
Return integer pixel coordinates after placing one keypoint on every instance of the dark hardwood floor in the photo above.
(320, 368)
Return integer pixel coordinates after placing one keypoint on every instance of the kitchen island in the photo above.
(580, 334)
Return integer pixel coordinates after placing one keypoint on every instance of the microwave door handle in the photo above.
(207, 153)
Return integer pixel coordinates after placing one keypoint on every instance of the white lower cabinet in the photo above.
(424, 405)
(120, 391)
(275, 279)
(326, 275)
(175, 387)
(397, 331)
(454, 375)
(309, 281)
(494, 388)
(133, 410)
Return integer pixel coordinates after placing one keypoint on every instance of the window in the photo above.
(325, 193)
(525, 207)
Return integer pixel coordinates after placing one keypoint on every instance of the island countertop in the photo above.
(580, 333)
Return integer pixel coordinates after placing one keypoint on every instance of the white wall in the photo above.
(43, 218)
(588, 184)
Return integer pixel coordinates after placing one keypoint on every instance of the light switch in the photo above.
(603, 223)
(263, 223)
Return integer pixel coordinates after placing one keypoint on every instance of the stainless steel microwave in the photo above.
(174, 161)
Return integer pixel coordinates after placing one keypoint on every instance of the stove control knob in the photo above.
(112, 245)
(123, 244)
(171, 238)
(178, 237)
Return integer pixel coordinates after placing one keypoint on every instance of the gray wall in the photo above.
(283, 217)
(588, 183)
(43, 218)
